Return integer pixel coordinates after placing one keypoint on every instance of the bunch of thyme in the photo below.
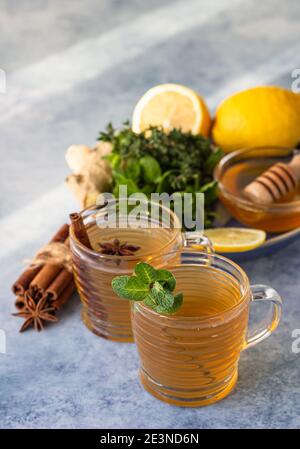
(156, 161)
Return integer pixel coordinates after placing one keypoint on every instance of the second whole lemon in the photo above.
(260, 116)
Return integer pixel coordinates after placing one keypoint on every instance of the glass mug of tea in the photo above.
(191, 358)
(152, 236)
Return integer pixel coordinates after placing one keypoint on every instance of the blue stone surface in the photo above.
(70, 68)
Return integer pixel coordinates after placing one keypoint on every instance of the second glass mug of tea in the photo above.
(103, 312)
(191, 358)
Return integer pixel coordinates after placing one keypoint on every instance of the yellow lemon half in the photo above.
(232, 240)
(171, 106)
(262, 116)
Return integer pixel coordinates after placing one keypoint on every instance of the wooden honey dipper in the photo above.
(275, 183)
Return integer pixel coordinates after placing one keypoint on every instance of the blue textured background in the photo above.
(71, 67)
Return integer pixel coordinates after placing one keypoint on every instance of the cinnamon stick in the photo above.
(59, 283)
(80, 230)
(64, 296)
(22, 283)
(20, 303)
(61, 234)
(49, 271)
(28, 275)
(48, 286)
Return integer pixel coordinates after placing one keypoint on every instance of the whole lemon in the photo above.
(261, 116)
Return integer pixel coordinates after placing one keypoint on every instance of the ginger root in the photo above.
(91, 172)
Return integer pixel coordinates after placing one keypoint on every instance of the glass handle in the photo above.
(267, 326)
(195, 240)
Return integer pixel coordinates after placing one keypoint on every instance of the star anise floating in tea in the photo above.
(36, 310)
(116, 248)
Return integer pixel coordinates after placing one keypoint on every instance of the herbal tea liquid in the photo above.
(104, 312)
(191, 358)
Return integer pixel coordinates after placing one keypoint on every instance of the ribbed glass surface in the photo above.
(190, 358)
(103, 312)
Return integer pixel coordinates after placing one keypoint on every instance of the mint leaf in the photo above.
(149, 301)
(123, 180)
(137, 288)
(153, 287)
(168, 309)
(114, 159)
(161, 296)
(166, 279)
(130, 288)
(119, 286)
(145, 272)
(178, 300)
(151, 168)
(159, 309)
(163, 182)
(132, 169)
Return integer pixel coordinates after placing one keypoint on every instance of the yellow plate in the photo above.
(234, 240)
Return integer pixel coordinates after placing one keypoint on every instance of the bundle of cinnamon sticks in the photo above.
(42, 289)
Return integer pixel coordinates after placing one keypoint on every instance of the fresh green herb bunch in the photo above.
(156, 161)
(153, 287)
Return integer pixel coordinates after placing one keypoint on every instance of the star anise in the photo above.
(116, 248)
(36, 310)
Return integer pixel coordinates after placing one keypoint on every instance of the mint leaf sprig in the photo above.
(153, 287)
